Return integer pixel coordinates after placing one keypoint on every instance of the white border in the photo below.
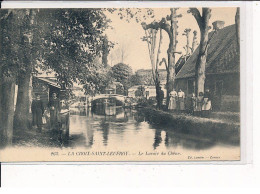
(246, 63)
(117, 4)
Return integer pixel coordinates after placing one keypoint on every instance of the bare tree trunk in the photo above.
(203, 22)
(7, 84)
(194, 41)
(172, 32)
(201, 64)
(187, 34)
(150, 38)
(7, 91)
(22, 105)
(105, 52)
(157, 89)
(170, 72)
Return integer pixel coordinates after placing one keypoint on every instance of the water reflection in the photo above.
(104, 126)
(91, 128)
(157, 138)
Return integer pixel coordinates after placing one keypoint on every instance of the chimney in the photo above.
(217, 25)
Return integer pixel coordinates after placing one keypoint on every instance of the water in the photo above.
(126, 129)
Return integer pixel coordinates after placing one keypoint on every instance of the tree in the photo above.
(105, 51)
(135, 80)
(75, 42)
(187, 34)
(171, 30)
(66, 41)
(28, 60)
(140, 91)
(97, 80)
(122, 52)
(122, 73)
(203, 23)
(150, 38)
(8, 65)
(194, 41)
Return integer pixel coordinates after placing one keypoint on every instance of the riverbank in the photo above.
(33, 138)
(205, 127)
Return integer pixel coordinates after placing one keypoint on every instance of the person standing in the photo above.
(37, 112)
(181, 97)
(55, 108)
(161, 97)
(194, 103)
(200, 103)
(173, 100)
(206, 108)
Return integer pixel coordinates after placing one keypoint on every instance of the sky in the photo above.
(128, 35)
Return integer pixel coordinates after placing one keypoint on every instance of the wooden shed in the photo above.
(45, 86)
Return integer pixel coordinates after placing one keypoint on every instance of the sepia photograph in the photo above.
(120, 84)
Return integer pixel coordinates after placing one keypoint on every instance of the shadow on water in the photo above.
(184, 138)
(91, 125)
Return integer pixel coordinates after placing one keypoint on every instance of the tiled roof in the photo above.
(223, 56)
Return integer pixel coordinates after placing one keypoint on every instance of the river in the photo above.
(128, 128)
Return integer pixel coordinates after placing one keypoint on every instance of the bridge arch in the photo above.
(118, 97)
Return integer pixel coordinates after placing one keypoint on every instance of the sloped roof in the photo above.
(179, 64)
(223, 56)
(49, 80)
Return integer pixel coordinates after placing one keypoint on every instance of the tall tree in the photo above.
(135, 80)
(98, 78)
(74, 44)
(8, 66)
(24, 75)
(122, 73)
(66, 41)
(187, 34)
(171, 29)
(194, 41)
(203, 23)
(105, 51)
(150, 38)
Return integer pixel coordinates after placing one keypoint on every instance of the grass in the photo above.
(191, 125)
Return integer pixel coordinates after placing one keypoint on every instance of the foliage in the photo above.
(135, 80)
(64, 40)
(14, 36)
(75, 42)
(128, 14)
(122, 73)
(97, 80)
(120, 89)
(140, 91)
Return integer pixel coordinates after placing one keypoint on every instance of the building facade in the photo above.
(222, 70)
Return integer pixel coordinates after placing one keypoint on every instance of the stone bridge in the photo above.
(118, 97)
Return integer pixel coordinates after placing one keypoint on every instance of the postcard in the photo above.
(120, 84)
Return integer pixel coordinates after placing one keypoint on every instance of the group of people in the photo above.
(177, 100)
(38, 111)
(198, 105)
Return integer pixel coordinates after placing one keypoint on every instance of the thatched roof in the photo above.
(223, 56)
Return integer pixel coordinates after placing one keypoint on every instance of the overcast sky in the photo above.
(128, 35)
